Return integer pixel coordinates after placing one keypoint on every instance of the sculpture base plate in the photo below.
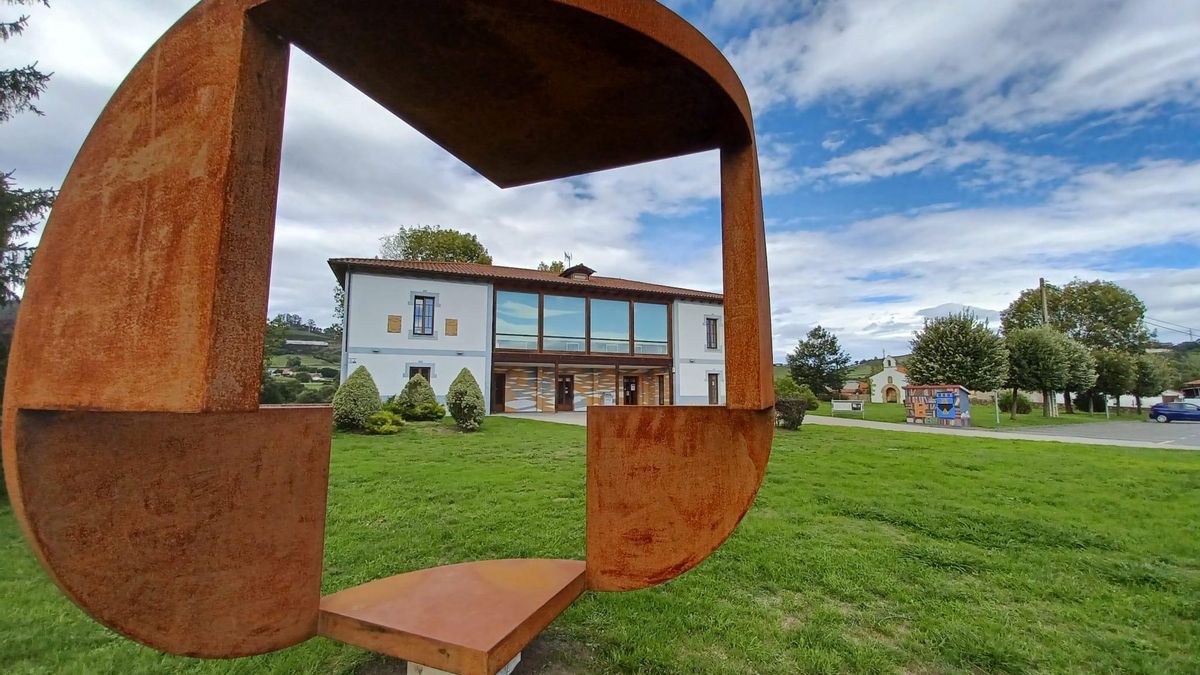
(468, 619)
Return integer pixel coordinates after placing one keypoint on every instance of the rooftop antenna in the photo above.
(568, 257)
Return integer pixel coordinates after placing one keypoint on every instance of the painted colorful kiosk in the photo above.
(946, 405)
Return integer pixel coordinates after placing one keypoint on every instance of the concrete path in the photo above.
(1174, 436)
(578, 419)
(1122, 434)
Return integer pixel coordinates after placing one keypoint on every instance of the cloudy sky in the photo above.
(918, 156)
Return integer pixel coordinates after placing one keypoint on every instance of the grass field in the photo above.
(982, 416)
(867, 551)
(280, 361)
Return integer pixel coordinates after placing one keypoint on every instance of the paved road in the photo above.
(1177, 435)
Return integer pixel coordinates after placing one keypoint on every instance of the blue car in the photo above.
(1175, 412)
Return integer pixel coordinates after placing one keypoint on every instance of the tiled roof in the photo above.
(514, 274)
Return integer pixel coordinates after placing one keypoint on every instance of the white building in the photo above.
(887, 386)
(535, 341)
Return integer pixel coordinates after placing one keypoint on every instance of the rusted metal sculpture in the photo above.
(184, 516)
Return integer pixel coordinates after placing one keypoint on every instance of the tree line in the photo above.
(1087, 338)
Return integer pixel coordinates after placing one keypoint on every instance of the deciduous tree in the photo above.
(556, 266)
(958, 349)
(1152, 374)
(339, 303)
(428, 243)
(1115, 372)
(1038, 361)
(819, 362)
(1106, 316)
(1082, 367)
(1189, 368)
(1100, 314)
(1026, 311)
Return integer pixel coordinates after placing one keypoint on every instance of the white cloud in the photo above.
(975, 163)
(1008, 63)
(740, 12)
(353, 173)
(983, 257)
(833, 141)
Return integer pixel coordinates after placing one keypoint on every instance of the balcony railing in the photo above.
(578, 345)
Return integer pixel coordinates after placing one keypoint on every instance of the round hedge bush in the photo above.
(356, 400)
(786, 389)
(383, 423)
(465, 401)
(789, 413)
(1024, 406)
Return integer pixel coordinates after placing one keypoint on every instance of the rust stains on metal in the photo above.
(185, 517)
(666, 486)
(195, 534)
(470, 619)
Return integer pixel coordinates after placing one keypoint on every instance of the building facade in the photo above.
(887, 386)
(535, 341)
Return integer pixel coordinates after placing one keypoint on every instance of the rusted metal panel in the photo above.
(470, 619)
(749, 368)
(156, 257)
(179, 514)
(527, 90)
(666, 486)
(195, 534)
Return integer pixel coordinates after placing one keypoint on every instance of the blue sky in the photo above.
(918, 157)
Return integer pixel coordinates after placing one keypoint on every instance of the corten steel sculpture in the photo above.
(188, 518)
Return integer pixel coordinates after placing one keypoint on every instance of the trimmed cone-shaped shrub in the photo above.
(465, 401)
(356, 400)
(417, 392)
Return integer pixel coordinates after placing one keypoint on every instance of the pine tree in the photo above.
(21, 211)
(819, 362)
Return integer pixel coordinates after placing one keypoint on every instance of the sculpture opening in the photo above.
(188, 519)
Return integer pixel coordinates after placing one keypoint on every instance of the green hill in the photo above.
(857, 371)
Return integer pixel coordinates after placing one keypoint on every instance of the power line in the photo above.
(1190, 333)
(1172, 323)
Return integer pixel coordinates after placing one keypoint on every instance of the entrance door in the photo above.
(714, 389)
(630, 390)
(498, 387)
(564, 400)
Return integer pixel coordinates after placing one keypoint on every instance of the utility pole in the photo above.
(1050, 398)
(1045, 302)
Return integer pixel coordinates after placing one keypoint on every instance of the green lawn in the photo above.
(280, 361)
(982, 416)
(867, 551)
